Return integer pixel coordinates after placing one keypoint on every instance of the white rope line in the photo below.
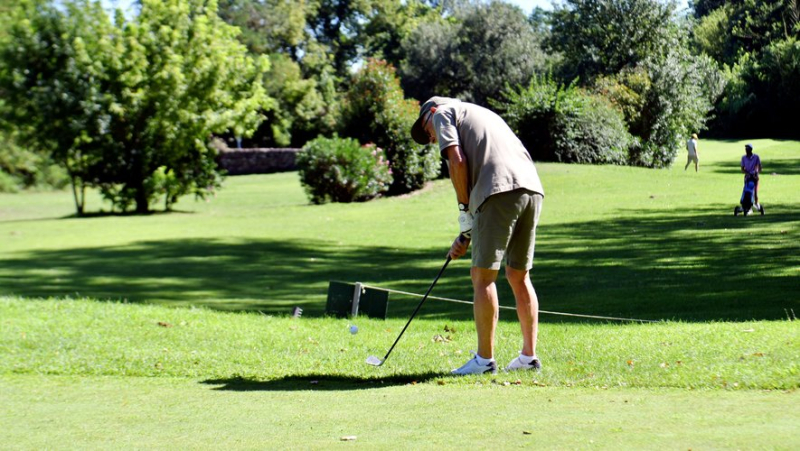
(457, 301)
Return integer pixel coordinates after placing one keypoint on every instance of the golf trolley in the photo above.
(747, 202)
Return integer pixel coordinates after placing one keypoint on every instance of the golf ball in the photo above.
(353, 330)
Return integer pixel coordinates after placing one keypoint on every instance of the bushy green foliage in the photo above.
(342, 170)
(603, 37)
(711, 35)
(374, 111)
(681, 93)
(632, 53)
(22, 168)
(117, 101)
(267, 26)
(664, 102)
(763, 93)
(303, 109)
(472, 54)
(565, 123)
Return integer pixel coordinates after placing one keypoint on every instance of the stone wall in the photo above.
(257, 161)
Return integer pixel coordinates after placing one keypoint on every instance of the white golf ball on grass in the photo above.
(353, 329)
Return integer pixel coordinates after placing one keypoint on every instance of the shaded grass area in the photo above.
(252, 352)
(135, 413)
(646, 264)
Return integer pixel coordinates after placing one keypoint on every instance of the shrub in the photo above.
(22, 168)
(374, 110)
(590, 130)
(566, 124)
(664, 102)
(341, 170)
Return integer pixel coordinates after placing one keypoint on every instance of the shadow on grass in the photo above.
(651, 264)
(319, 382)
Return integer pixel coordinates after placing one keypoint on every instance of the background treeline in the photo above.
(131, 103)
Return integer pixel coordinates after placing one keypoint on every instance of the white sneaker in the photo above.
(517, 364)
(473, 367)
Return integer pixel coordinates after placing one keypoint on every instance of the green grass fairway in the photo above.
(107, 375)
(172, 330)
(148, 413)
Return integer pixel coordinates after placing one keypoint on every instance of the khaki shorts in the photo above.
(505, 226)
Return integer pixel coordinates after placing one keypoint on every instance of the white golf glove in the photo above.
(465, 223)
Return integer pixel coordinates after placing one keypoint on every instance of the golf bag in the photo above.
(748, 198)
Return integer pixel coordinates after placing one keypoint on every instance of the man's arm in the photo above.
(459, 173)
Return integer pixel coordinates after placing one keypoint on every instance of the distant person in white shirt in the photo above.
(691, 148)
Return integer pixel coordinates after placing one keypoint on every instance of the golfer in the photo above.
(691, 152)
(751, 166)
(499, 199)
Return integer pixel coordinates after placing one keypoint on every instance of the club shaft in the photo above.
(441, 271)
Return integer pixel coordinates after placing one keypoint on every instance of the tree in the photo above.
(337, 26)
(602, 37)
(712, 35)
(389, 23)
(750, 25)
(130, 107)
(763, 94)
(303, 109)
(268, 26)
(472, 55)
(664, 101)
(374, 111)
(703, 8)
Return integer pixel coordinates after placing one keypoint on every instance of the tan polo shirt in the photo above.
(497, 160)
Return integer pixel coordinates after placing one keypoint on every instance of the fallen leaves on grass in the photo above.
(348, 438)
(164, 324)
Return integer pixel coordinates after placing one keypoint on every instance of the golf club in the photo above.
(373, 360)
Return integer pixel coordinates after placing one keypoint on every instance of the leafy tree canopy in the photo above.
(129, 107)
(602, 37)
(472, 54)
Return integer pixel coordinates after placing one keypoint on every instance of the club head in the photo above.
(374, 361)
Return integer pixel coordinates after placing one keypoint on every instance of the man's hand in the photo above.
(459, 247)
(465, 223)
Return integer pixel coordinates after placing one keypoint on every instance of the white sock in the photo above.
(526, 358)
(482, 361)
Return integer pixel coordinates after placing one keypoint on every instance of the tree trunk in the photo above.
(142, 204)
(79, 200)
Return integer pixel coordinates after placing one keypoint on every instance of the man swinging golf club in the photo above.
(499, 197)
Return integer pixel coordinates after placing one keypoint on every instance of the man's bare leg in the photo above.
(485, 309)
(527, 308)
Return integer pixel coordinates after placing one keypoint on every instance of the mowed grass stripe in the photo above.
(169, 413)
(89, 338)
